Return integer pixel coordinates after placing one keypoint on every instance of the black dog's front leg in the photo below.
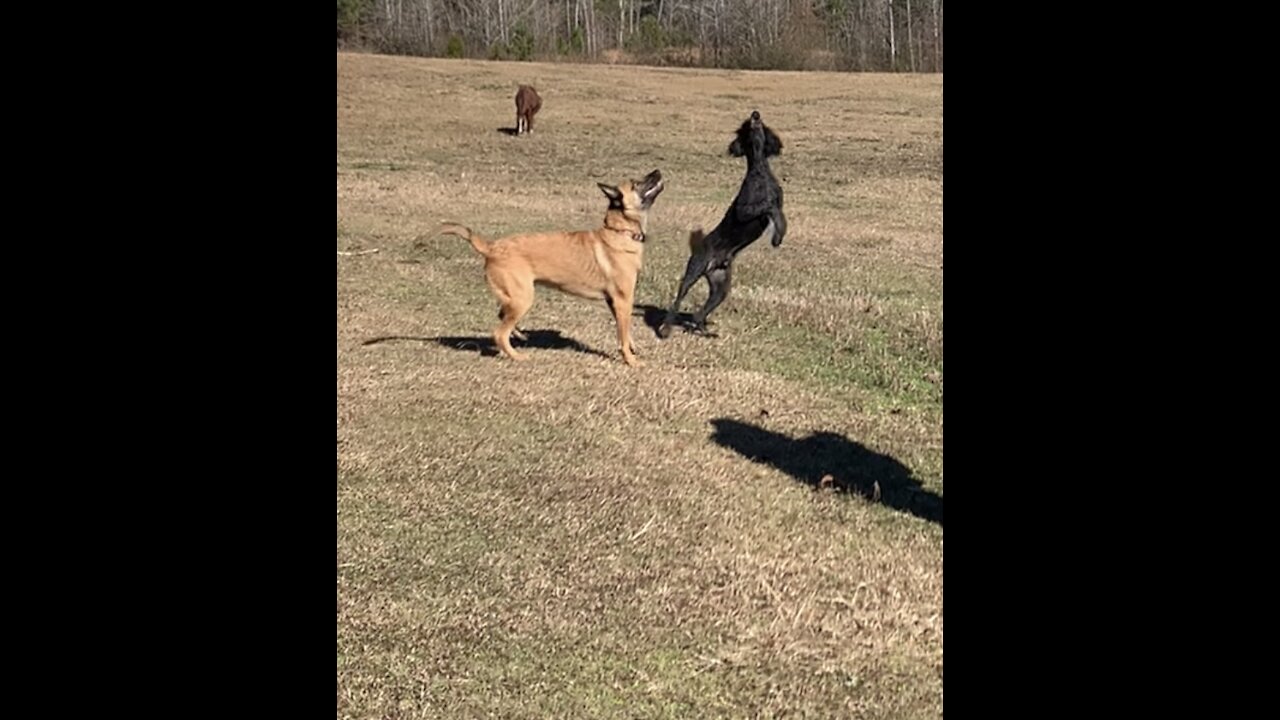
(779, 225)
(692, 271)
(777, 218)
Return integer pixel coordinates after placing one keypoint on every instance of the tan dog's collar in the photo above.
(634, 235)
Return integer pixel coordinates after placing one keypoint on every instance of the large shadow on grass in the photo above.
(541, 339)
(853, 467)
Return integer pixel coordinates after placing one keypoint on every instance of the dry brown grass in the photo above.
(563, 537)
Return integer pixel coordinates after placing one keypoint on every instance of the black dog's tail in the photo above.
(465, 233)
(695, 240)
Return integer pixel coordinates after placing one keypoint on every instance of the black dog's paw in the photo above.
(700, 328)
(664, 330)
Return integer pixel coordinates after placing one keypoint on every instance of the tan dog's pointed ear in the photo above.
(611, 192)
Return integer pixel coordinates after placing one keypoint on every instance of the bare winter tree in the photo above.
(937, 36)
(910, 52)
(893, 46)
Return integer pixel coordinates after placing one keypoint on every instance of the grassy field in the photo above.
(570, 537)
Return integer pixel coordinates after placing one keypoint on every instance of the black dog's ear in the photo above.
(772, 143)
(611, 192)
(735, 148)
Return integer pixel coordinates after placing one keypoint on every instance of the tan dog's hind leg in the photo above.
(515, 333)
(516, 300)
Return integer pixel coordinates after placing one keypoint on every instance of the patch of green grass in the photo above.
(873, 241)
(388, 166)
(872, 367)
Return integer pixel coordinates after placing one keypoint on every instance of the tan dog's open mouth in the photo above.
(650, 187)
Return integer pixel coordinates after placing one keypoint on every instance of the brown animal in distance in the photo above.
(528, 103)
(601, 264)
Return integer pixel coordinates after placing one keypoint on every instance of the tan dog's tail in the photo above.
(465, 233)
(695, 240)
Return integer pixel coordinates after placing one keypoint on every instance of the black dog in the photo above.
(756, 210)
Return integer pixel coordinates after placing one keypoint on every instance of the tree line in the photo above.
(850, 35)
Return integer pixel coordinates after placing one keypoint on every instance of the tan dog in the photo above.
(595, 264)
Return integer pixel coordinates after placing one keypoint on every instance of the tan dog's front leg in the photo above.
(621, 306)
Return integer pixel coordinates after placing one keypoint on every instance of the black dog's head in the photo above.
(755, 139)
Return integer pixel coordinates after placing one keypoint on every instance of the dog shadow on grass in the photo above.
(508, 131)
(541, 339)
(852, 467)
(653, 317)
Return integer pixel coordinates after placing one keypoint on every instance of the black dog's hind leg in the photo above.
(720, 279)
(692, 271)
(515, 332)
